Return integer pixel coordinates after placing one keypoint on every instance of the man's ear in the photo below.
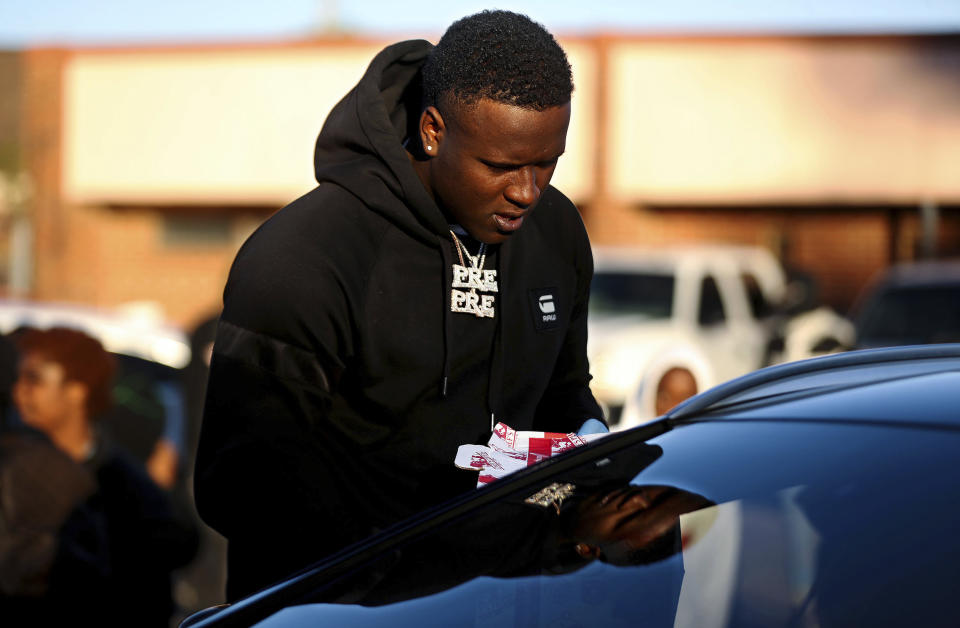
(432, 131)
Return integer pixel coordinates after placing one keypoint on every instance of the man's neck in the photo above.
(75, 438)
(423, 171)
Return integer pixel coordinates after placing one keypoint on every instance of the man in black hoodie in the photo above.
(431, 285)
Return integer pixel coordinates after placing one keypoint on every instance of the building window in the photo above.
(197, 231)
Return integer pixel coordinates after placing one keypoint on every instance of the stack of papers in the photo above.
(509, 450)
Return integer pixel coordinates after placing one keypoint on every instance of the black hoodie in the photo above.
(341, 383)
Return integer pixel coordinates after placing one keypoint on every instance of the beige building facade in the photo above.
(148, 167)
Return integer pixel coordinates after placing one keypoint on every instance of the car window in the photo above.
(784, 524)
(759, 306)
(804, 534)
(621, 292)
(711, 306)
(147, 405)
(911, 315)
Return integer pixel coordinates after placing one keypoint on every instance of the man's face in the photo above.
(676, 385)
(490, 163)
(43, 397)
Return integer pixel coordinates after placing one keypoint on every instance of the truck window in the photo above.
(759, 306)
(711, 306)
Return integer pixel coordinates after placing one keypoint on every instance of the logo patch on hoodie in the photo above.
(545, 308)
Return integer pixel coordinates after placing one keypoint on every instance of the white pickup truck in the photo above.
(710, 312)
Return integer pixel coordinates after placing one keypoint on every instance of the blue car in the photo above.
(816, 493)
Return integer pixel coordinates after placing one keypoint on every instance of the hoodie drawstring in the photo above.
(495, 380)
(447, 288)
(496, 374)
(495, 383)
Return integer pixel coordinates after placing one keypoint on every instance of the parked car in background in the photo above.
(135, 330)
(688, 318)
(814, 493)
(911, 303)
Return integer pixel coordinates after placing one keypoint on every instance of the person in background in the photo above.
(64, 382)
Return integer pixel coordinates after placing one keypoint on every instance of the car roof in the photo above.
(627, 256)
(915, 385)
(924, 273)
(903, 363)
(128, 333)
(756, 260)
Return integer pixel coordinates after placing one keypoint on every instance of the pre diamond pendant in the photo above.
(470, 301)
(473, 279)
(480, 305)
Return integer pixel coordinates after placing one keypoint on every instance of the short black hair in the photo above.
(82, 358)
(500, 55)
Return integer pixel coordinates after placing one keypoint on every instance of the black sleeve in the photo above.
(267, 475)
(260, 470)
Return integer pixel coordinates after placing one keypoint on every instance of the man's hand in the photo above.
(592, 426)
(163, 464)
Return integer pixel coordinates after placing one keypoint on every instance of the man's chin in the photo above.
(490, 237)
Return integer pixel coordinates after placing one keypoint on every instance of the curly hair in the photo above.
(500, 55)
(82, 358)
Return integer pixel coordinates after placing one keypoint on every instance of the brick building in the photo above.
(141, 170)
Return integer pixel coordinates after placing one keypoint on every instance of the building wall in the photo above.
(107, 253)
(179, 258)
(210, 126)
(232, 125)
(42, 154)
(11, 73)
(151, 165)
(788, 120)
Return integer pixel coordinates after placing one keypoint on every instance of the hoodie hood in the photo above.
(360, 147)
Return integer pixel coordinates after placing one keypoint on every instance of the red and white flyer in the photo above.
(509, 450)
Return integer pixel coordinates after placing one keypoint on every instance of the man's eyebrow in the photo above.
(511, 164)
(500, 164)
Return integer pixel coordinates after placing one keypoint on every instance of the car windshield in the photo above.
(148, 405)
(911, 315)
(681, 532)
(630, 293)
